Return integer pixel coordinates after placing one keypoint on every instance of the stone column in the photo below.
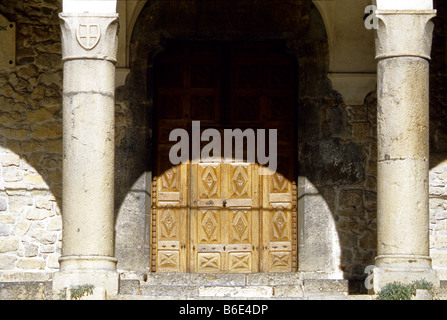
(89, 47)
(403, 45)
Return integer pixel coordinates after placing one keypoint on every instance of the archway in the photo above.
(299, 27)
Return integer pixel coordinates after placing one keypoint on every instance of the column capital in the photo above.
(404, 33)
(89, 36)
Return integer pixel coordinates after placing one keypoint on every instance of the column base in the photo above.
(76, 271)
(386, 274)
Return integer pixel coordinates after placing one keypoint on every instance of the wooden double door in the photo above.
(224, 216)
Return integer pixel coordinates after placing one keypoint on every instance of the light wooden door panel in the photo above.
(278, 224)
(169, 217)
(224, 224)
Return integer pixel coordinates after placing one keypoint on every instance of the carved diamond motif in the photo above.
(209, 225)
(169, 180)
(279, 226)
(240, 227)
(209, 182)
(279, 183)
(168, 224)
(239, 181)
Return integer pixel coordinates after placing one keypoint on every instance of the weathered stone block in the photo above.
(31, 250)
(218, 279)
(33, 263)
(22, 227)
(7, 219)
(326, 285)
(43, 237)
(55, 224)
(7, 262)
(351, 199)
(10, 159)
(3, 204)
(5, 230)
(52, 261)
(50, 130)
(25, 290)
(182, 291)
(288, 291)
(236, 292)
(130, 286)
(35, 214)
(9, 244)
(12, 174)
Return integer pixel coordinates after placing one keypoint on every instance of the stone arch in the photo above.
(331, 163)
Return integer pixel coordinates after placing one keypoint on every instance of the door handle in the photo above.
(224, 203)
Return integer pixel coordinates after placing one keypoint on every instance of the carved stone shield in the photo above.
(88, 35)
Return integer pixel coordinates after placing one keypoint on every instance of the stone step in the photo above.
(304, 297)
(236, 286)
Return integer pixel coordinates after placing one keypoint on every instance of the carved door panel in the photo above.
(279, 224)
(224, 218)
(188, 82)
(169, 218)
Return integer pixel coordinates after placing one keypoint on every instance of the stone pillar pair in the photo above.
(89, 49)
(89, 53)
(403, 46)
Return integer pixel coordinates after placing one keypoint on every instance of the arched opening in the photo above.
(218, 211)
(320, 119)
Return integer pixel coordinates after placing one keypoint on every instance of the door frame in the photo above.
(185, 245)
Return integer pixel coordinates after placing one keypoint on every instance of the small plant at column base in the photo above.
(78, 292)
(425, 285)
(396, 291)
(399, 291)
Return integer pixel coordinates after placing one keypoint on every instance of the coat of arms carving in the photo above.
(88, 35)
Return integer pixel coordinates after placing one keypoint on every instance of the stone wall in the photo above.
(337, 155)
(30, 140)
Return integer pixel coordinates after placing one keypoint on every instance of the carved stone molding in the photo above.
(354, 87)
(89, 36)
(404, 33)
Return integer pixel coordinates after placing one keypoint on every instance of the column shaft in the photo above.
(403, 154)
(89, 45)
(88, 162)
(403, 43)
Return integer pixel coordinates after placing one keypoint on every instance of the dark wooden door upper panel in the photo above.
(226, 85)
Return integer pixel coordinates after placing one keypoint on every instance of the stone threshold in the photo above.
(193, 286)
(293, 285)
